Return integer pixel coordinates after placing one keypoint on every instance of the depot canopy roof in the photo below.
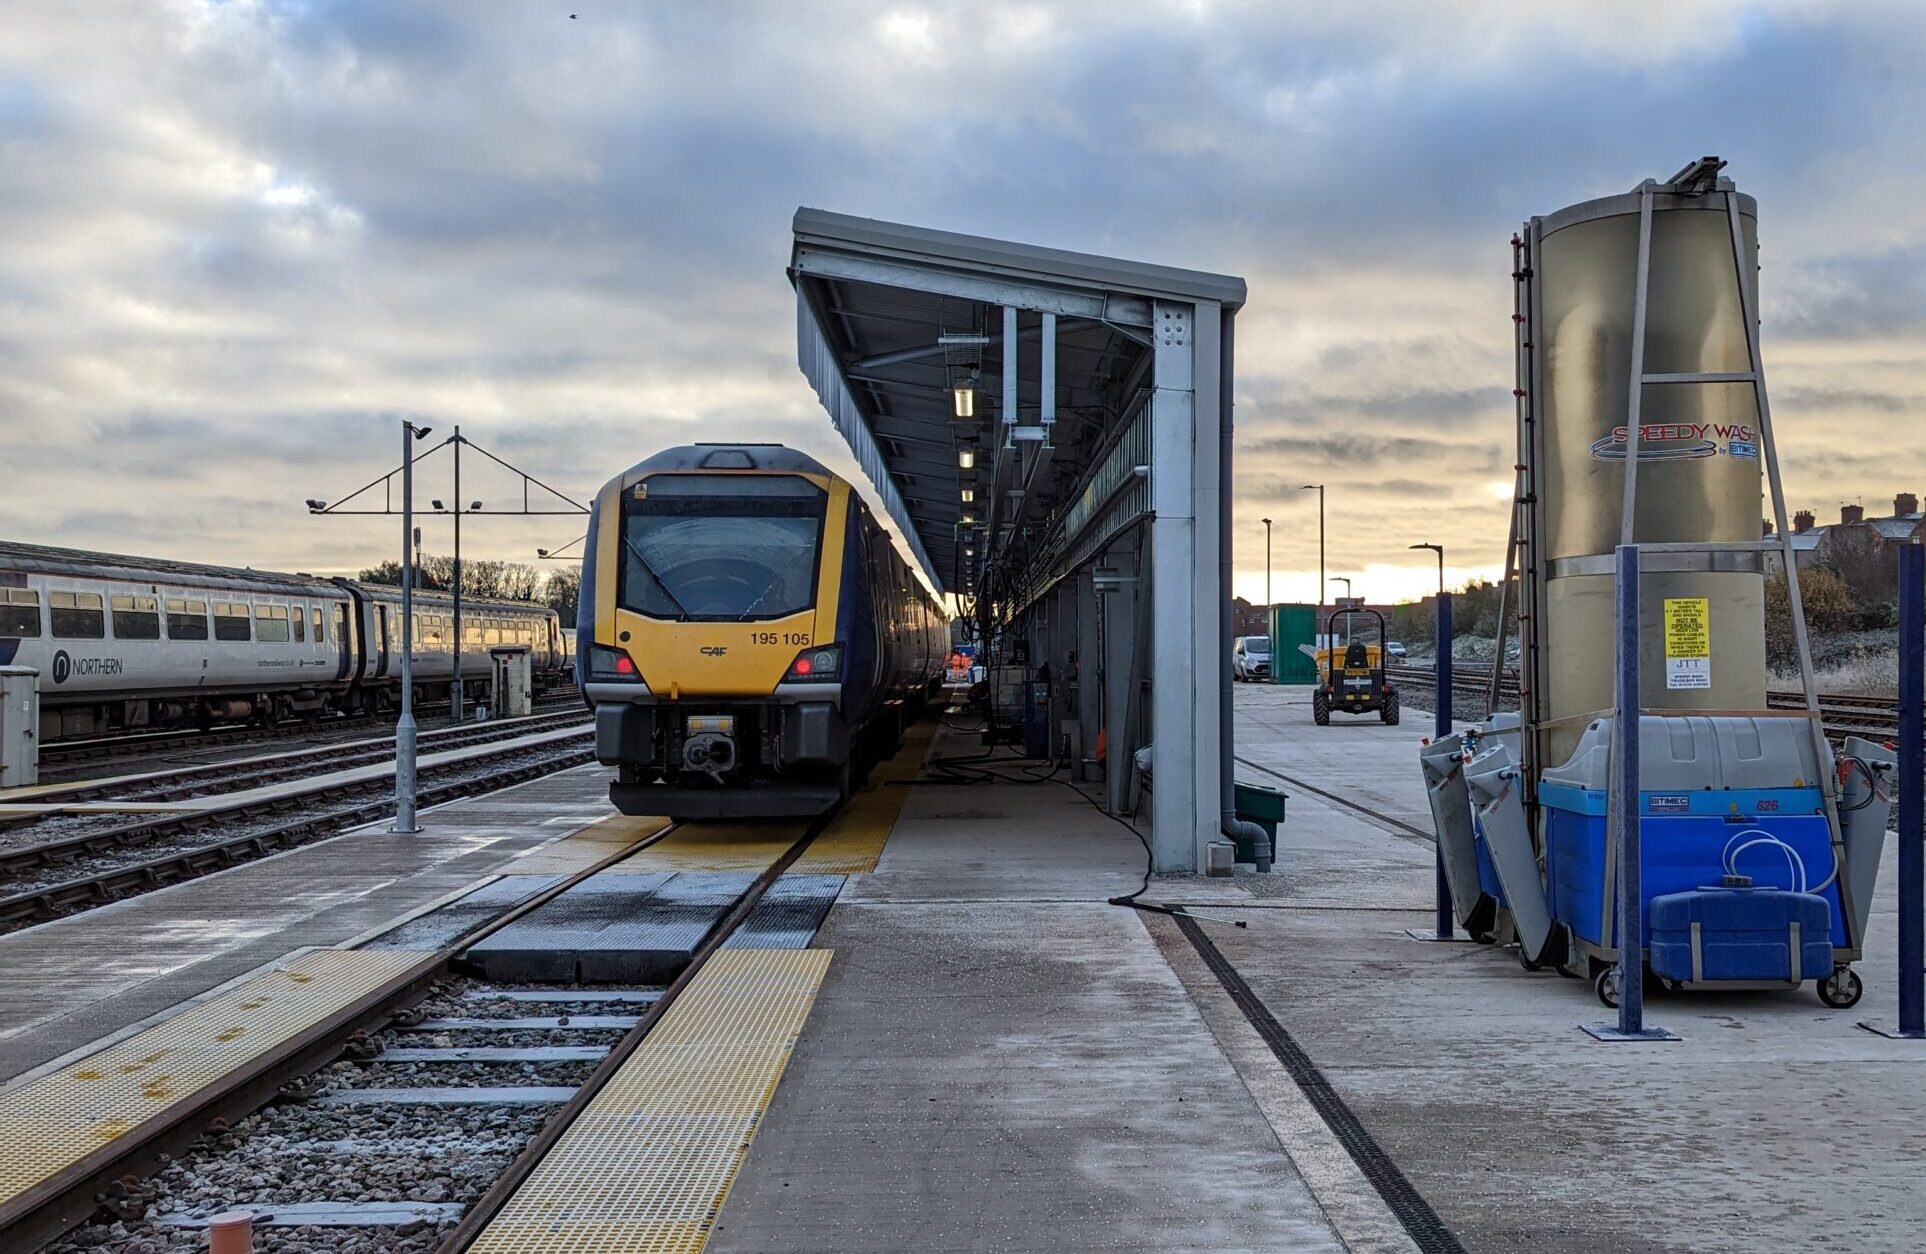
(893, 322)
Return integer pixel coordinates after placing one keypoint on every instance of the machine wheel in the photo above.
(1606, 986)
(1841, 990)
(1528, 963)
(1320, 708)
(1389, 710)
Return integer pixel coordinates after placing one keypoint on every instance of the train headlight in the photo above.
(821, 663)
(605, 663)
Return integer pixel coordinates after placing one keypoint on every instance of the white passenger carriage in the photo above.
(125, 643)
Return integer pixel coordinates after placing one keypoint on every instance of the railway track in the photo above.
(428, 1107)
(53, 878)
(58, 757)
(187, 782)
(1844, 714)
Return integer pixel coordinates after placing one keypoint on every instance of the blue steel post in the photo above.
(1442, 704)
(1626, 802)
(1912, 806)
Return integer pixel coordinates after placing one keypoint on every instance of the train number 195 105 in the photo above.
(781, 637)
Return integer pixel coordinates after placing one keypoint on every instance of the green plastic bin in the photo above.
(1262, 806)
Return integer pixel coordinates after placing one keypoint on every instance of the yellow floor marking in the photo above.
(718, 847)
(60, 1118)
(854, 840)
(580, 850)
(647, 1166)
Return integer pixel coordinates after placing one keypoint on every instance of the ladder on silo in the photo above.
(1701, 178)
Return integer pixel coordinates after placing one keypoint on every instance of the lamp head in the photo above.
(421, 433)
(436, 503)
(473, 506)
(316, 506)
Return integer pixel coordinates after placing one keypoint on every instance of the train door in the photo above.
(381, 638)
(342, 644)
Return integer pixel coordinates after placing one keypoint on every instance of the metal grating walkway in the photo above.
(788, 914)
(646, 1167)
(57, 1120)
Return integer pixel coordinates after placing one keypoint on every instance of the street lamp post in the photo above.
(1268, 602)
(405, 725)
(1346, 581)
(1318, 623)
(1443, 727)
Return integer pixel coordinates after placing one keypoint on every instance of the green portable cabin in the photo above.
(1292, 625)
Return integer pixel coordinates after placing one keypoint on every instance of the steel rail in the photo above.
(483, 1211)
(56, 901)
(131, 744)
(67, 1199)
(194, 781)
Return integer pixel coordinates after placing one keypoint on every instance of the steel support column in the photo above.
(1184, 609)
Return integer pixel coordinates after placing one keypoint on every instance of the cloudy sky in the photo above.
(237, 240)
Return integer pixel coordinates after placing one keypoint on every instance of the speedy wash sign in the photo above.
(1676, 441)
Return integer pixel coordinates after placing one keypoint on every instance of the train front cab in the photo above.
(732, 655)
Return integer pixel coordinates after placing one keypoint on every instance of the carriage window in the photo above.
(77, 615)
(299, 619)
(19, 613)
(230, 621)
(720, 547)
(136, 618)
(340, 624)
(271, 623)
(315, 616)
(186, 620)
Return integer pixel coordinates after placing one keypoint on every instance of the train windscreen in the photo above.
(714, 548)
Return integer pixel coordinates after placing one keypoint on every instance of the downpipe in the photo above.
(1227, 821)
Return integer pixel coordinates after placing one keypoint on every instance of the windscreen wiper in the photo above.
(682, 611)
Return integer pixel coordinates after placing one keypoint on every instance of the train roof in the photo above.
(439, 599)
(774, 458)
(41, 559)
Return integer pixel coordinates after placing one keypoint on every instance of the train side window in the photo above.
(77, 615)
(314, 616)
(271, 624)
(136, 618)
(231, 621)
(186, 620)
(340, 624)
(298, 618)
(19, 613)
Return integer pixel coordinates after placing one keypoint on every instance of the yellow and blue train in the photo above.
(748, 635)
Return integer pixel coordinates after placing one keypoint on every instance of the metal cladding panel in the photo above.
(1699, 468)
(825, 374)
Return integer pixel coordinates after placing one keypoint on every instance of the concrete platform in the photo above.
(66, 984)
(997, 1059)
(1775, 1124)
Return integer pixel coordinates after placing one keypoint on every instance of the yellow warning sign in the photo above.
(1688, 643)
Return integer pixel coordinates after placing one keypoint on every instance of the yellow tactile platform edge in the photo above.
(853, 843)
(50, 1123)
(646, 1167)
(581, 850)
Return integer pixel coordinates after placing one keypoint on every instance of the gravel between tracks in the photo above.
(295, 1151)
(66, 827)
